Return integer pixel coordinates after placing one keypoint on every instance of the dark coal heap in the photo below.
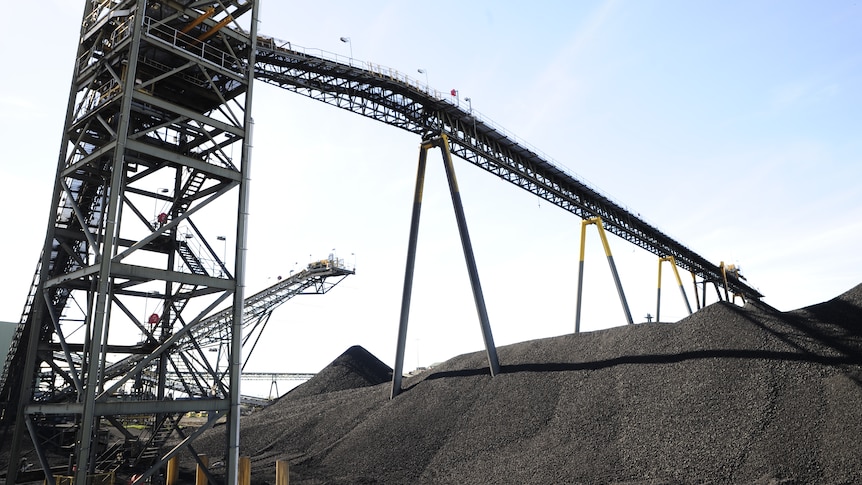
(356, 367)
(741, 395)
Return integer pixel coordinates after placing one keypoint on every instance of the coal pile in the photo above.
(735, 395)
(356, 367)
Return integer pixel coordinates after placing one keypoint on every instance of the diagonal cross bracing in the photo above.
(392, 98)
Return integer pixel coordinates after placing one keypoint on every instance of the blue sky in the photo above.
(732, 126)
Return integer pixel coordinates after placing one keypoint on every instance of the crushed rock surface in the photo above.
(729, 395)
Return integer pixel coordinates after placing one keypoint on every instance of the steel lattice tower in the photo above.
(151, 184)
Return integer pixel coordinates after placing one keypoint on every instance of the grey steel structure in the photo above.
(478, 298)
(147, 179)
(395, 99)
(191, 371)
(153, 170)
(392, 98)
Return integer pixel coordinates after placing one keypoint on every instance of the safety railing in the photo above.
(271, 43)
(202, 49)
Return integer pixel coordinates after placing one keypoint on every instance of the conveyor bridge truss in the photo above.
(390, 97)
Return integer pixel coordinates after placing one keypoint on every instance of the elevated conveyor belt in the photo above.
(318, 278)
(395, 99)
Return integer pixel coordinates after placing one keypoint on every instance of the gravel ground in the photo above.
(727, 395)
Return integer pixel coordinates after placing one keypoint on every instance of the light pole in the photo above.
(423, 71)
(470, 104)
(347, 40)
(223, 249)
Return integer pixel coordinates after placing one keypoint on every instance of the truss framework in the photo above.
(153, 166)
(160, 98)
(394, 99)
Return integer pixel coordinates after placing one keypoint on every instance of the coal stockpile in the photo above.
(736, 395)
(356, 367)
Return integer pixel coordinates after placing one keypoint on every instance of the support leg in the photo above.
(397, 372)
(679, 283)
(658, 294)
(580, 278)
(672, 262)
(598, 222)
(696, 295)
(614, 271)
(478, 297)
(717, 292)
(40, 452)
(491, 350)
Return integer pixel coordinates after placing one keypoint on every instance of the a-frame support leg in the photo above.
(696, 294)
(398, 371)
(672, 262)
(443, 143)
(598, 222)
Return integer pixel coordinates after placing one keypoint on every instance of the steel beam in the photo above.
(672, 262)
(597, 221)
(441, 142)
(152, 120)
(390, 97)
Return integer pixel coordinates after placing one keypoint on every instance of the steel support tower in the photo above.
(153, 170)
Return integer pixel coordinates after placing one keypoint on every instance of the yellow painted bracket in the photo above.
(597, 221)
(441, 141)
(209, 33)
(672, 261)
(194, 23)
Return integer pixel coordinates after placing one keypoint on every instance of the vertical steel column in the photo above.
(397, 372)
(658, 292)
(235, 374)
(125, 124)
(580, 277)
(478, 298)
(717, 292)
(85, 459)
(696, 295)
(598, 222)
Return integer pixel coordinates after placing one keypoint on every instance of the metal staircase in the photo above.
(160, 432)
(159, 113)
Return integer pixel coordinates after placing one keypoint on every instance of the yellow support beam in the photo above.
(209, 33)
(597, 221)
(194, 23)
(672, 262)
